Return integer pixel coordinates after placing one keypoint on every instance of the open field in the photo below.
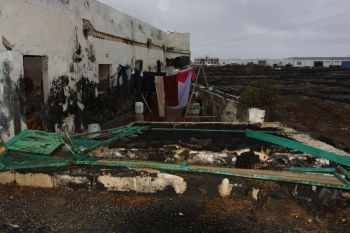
(316, 101)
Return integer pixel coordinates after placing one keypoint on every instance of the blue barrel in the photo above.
(346, 64)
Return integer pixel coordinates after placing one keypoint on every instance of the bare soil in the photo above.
(279, 208)
(312, 100)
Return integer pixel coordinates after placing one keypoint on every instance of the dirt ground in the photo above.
(279, 208)
(316, 101)
(311, 101)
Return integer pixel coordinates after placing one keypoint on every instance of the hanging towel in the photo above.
(148, 82)
(123, 80)
(171, 91)
(182, 75)
(136, 83)
(184, 90)
(160, 95)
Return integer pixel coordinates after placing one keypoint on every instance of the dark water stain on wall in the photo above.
(20, 104)
(55, 102)
(178, 62)
(83, 104)
(91, 53)
(21, 97)
(77, 55)
(5, 99)
(64, 2)
(102, 108)
(87, 4)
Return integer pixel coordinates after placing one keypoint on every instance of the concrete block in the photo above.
(67, 181)
(118, 184)
(7, 178)
(143, 184)
(34, 180)
(178, 183)
(225, 188)
(255, 193)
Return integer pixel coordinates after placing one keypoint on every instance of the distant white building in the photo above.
(258, 61)
(207, 61)
(293, 61)
(319, 61)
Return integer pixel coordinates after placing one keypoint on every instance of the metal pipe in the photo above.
(144, 99)
(219, 131)
(114, 130)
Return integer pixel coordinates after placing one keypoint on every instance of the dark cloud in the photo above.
(251, 28)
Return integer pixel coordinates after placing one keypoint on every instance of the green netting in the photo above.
(11, 161)
(84, 142)
(30, 149)
(35, 142)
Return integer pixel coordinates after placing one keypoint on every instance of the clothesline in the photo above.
(174, 91)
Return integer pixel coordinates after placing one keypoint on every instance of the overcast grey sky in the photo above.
(251, 28)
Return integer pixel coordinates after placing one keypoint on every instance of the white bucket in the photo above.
(256, 115)
(93, 128)
(139, 108)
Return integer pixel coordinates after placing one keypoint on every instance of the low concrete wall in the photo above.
(139, 183)
(213, 104)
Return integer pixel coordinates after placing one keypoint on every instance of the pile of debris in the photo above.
(262, 153)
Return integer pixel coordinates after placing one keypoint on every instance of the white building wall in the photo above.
(302, 63)
(54, 28)
(296, 62)
(327, 62)
(178, 42)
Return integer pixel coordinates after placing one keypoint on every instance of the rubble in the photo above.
(225, 188)
(143, 184)
(255, 193)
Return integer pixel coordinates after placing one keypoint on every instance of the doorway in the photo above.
(35, 69)
(139, 64)
(104, 78)
(318, 64)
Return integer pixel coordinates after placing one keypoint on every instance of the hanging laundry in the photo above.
(182, 75)
(123, 81)
(148, 80)
(171, 91)
(160, 95)
(184, 90)
(148, 83)
(136, 83)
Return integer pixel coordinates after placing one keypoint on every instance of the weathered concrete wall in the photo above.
(55, 29)
(10, 91)
(145, 183)
(219, 105)
(178, 42)
(178, 49)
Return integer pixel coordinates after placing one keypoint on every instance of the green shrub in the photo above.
(261, 96)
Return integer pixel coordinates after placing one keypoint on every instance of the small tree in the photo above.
(261, 96)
